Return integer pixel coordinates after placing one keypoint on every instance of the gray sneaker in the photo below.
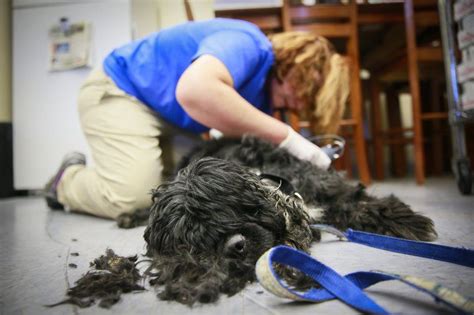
(50, 190)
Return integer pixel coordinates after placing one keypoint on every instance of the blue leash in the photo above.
(349, 288)
(454, 255)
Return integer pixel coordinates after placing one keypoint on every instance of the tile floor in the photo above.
(36, 244)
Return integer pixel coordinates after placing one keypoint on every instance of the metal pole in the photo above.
(460, 161)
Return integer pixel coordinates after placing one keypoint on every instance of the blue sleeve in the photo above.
(239, 52)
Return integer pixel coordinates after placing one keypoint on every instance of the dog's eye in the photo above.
(235, 246)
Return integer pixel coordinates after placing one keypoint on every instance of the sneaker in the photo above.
(50, 190)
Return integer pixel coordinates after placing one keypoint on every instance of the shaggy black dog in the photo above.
(209, 225)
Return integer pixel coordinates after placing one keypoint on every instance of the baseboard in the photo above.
(6, 161)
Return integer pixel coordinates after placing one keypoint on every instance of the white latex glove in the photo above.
(304, 149)
(215, 134)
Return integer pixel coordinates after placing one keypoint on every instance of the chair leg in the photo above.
(294, 120)
(356, 99)
(397, 148)
(377, 132)
(437, 127)
(345, 162)
(360, 151)
(348, 164)
(414, 91)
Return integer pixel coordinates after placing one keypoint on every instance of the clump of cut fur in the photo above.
(110, 276)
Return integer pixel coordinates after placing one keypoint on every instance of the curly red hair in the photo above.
(319, 75)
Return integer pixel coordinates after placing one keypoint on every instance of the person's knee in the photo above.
(119, 200)
(132, 192)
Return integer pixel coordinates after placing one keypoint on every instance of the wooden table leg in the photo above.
(415, 91)
(397, 148)
(356, 100)
(377, 132)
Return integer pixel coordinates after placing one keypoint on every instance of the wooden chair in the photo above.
(269, 20)
(276, 19)
(335, 22)
(418, 14)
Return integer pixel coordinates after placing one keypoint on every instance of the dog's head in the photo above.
(209, 225)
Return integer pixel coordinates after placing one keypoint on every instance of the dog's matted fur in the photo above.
(209, 224)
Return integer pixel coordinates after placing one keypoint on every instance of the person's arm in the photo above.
(205, 91)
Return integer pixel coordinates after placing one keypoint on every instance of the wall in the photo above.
(407, 122)
(6, 156)
(5, 62)
(406, 108)
(240, 4)
(144, 17)
(173, 12)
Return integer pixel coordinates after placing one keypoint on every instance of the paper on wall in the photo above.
(69, 46)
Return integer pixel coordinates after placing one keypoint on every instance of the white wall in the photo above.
(239, 4)
(173, 12)
(5, 61)
(407, 121)
(144, 17)
(45, 118)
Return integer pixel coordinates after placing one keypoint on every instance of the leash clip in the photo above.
(330, 229)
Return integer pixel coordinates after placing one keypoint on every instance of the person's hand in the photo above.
(303, 149)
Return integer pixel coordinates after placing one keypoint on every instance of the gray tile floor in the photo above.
(36, 246)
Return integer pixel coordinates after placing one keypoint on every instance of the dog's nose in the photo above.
(235, 245)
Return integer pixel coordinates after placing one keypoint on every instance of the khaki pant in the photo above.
(131, 147)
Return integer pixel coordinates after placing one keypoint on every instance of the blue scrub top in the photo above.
(149, 68)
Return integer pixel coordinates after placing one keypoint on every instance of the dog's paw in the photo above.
(133, 219)
(399, 220)
(387, 216)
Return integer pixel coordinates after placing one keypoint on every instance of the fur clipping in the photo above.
(111, 276)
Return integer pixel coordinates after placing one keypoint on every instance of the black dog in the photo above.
(210, 224)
